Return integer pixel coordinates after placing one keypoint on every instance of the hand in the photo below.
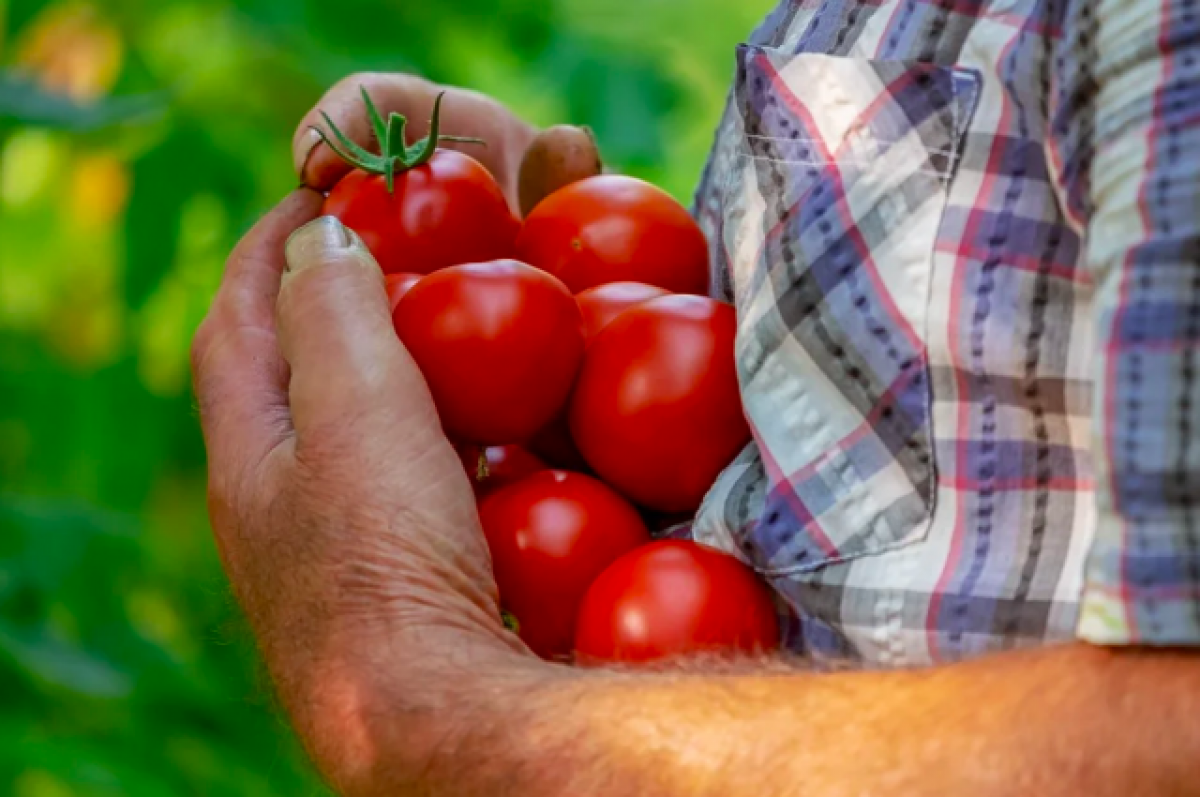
(464, 113)
(342, 514)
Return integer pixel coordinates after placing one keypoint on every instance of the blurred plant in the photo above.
(138, 139)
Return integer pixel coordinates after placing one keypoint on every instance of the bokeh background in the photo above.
(138, 139)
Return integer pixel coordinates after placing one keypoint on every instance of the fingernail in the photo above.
(312, 244)
(304, 149)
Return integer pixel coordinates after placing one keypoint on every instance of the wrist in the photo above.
(383, 716)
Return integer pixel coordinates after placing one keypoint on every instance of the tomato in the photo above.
(398, 285)
(553, 443)
(418, 208)
(600, 305)
(613, 229)
(446, 212)
(499, 345)
(504, 465)
(550, 535)
(671, 598)
(656, 410)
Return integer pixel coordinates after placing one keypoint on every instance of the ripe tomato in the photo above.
(612, 229)
(671, 598)
(600, 305)
(505, 465)
(448, 211)
(656, 410)
(550, 535)
(499, 344)
(398, 285)
(553, 443)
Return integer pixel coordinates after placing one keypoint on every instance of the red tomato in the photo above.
(600, 305)
(505, 465)
(550, 535)
(445, 212)
(499, 344)
(553, 443)
(656, 410)
(612, 229)
(671, 598)
(398, 285)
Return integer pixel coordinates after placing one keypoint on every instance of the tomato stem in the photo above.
(510, 621)
(482, 471)
(395, 156)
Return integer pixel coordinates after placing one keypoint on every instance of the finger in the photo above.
(361, 408)
(347, 365)
(252, 272)
(239, 376)
(316, 164)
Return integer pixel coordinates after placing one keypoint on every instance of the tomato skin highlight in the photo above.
(443, 213)
(398, 285)
(656, 411)
(613, 228)
(505, 465)
(673, 598)
(499, 345)
(602, 304)
(550, 535)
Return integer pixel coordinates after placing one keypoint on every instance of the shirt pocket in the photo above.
(831, 211)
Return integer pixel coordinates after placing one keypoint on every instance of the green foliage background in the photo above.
(124, 669)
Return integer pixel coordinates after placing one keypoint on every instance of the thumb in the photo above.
(336, 334)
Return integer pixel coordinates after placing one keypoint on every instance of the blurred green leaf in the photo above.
(56, 663)
(24, 102)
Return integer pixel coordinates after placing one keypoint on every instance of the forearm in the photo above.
(1072, 720)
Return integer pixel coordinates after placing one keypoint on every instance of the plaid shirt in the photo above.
(962, 238)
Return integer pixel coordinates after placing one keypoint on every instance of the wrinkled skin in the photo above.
(303, 390)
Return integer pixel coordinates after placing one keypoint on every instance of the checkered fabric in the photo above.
(962, 239)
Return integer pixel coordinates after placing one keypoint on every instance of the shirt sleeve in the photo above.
(1125, 142)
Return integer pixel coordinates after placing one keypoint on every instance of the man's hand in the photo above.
(464, 113)
(342, 514)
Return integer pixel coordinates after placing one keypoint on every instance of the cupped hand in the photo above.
(342, 514)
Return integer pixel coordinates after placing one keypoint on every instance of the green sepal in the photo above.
(395, 156)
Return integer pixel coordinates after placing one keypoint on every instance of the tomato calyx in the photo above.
(395, 156)
(510, 621)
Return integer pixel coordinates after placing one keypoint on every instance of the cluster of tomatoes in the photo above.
(585, 377)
